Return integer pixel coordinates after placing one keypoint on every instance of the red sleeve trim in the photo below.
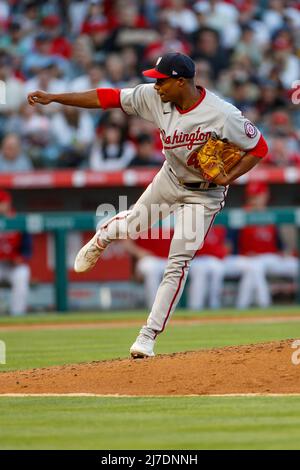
(261, 148)
(109, 97)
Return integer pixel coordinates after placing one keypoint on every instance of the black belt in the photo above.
(201, 186)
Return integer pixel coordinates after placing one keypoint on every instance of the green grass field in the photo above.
(150, 423)
(143, 423)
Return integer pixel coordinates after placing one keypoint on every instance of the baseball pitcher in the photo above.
(207, 144)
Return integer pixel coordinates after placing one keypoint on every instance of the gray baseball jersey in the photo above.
(184, 131)
(181, 133)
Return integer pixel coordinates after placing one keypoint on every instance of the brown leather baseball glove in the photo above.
(217, 157)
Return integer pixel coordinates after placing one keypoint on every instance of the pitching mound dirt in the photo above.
(261, 368)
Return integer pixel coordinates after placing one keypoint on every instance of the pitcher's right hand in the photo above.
(39, 97)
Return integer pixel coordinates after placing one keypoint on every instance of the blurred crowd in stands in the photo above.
(246, 51)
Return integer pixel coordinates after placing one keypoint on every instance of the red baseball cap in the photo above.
(281, 44)
(51, 21)
(4, 196)
(280, 118)
(172, 64)
(255, 188)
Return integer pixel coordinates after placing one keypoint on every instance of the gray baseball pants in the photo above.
(194, 215)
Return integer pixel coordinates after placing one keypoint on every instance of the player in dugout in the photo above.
(15, 251)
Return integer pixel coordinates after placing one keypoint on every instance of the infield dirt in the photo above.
(264, 368)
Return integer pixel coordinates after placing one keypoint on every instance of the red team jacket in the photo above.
(250, 240)
(214, 245)
(258, 239)
(15, 247)
(10, 246)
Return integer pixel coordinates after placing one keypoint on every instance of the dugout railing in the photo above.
(61, 223)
